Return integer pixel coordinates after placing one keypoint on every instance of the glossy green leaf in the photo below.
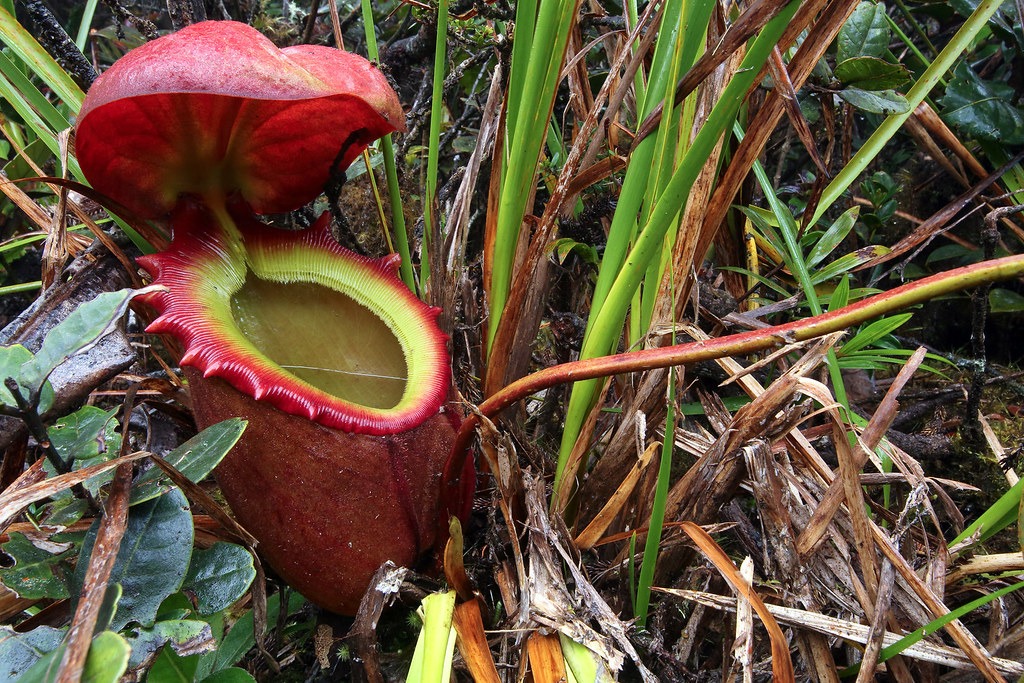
(19, 651)
(36, 573)
(87, 437)
(186, 636)
(1002, 300)
(871, 73)
(983, 108)
(833, 237)
(84, 434)
(66, 511)
(865, 33)
(884, 102)
(108, 608)
(219, 576)
(240, 639)
(153, 557)
(195, 459)
(83, 327)
(946, 252)
(564, 246)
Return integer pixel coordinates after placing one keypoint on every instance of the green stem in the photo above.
(914, 25)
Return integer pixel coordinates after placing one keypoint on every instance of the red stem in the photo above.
(743, 343)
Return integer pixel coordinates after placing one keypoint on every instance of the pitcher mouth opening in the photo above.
(294, 319)
(352, 354)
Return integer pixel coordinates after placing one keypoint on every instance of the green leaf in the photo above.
(1005, 301)
(997, 517)
(83, 327)
(86, 437)
(230, 675)
(84, 434)
(107, 660)
(845, 264)
(832, 237)
(185, 636)
(240, 639)
(218, 577)
(871, 73)
(19, 651)
(66, 511)
(171, 668)
(766, 223)
(12, 358)
(108, 608)
(934, 626)
(36, 573)
(564, 246)
(982, 108)
(872, 332)
(962, 254)
(39, 60)
(152, 560)
(840, 295)
(885, 102)
(195, 459)
(865, 33)
(866, 360)
(432, 658)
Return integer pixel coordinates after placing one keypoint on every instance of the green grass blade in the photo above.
(432, 223)
(657, 524)
(934, 626)
(1000, 515)
(399, 231)
(39, 60)
(610, 318)
(31, 95)
(83, 29)
(798, 266)
(532, 96)
(634, 186)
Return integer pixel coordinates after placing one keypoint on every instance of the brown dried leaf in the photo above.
(782, 665)
(472, 642)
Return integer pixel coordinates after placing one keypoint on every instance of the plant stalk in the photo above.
(743, 343)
